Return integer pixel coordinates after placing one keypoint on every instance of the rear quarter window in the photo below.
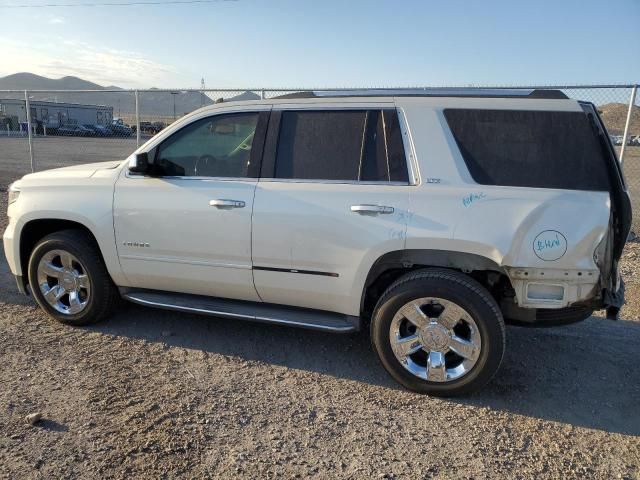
(523, 148)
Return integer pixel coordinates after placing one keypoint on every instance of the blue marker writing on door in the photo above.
(469, 199)
(548, 243)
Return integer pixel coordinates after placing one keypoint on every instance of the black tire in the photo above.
(465, 292)
(104, 294)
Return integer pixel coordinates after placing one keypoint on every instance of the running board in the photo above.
(243, 310)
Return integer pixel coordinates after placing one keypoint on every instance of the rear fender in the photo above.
(545, 240)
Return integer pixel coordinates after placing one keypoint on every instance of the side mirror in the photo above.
(139, 163)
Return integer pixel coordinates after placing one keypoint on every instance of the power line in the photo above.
(115, 4)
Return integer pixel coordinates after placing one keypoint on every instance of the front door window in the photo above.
(217, 146)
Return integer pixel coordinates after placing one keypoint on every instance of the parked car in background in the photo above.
(120, 130)
(149, 128)
(99, 130)
(74, 131)
(632, 140)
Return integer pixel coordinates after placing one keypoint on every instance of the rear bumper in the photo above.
(553, 287)
(614, 300)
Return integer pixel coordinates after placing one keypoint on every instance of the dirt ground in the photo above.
(156, 394)
(53, 152)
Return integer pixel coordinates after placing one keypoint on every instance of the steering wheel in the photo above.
(207, 163)
(245, 145)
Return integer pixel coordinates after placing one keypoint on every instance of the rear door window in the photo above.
(539, 149)
(340, 145)
(320, 145)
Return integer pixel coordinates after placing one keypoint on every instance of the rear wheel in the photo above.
(438, 332)
(69, 280)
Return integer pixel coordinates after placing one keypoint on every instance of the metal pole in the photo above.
(262, 94)
(632, 102)
(173, 95)
(28, 109)
(137, 119)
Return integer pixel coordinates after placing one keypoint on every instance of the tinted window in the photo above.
(320, 145)
(529, 148)
(340, 145)
(218, 146)
(384, 158)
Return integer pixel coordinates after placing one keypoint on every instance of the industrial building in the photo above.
(53, 115)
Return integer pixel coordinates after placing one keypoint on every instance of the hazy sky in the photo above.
(288, 43)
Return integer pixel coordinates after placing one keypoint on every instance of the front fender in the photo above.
(88, 205)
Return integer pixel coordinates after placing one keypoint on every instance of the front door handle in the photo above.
(371, 209)
(225, 203)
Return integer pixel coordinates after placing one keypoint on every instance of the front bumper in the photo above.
(23, 287)
(10, 251)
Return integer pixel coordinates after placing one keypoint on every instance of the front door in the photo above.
(187, 228)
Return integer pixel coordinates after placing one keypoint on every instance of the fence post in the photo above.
(632, 102)
(27, 107)
(137, 120)
(262, 94)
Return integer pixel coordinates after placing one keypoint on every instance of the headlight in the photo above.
(14, 193)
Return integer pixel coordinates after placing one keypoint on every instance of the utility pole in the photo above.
(173, 94)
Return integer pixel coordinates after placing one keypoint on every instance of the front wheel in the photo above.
(69, 279)
(438, 332)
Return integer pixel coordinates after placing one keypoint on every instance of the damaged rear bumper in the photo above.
(613, 300)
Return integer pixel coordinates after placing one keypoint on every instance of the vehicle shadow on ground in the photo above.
(584, 375)
(52, 426)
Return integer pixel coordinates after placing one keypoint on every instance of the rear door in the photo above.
(332, 197)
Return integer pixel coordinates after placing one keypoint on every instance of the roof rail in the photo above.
(431, 92)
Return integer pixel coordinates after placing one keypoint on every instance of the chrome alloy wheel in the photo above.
(435, 339)
(64, 282)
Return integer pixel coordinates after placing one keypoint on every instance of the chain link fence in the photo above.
(40, 130)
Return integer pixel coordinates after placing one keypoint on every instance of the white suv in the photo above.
(429, 217)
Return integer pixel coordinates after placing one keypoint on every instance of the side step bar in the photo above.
(243, 310)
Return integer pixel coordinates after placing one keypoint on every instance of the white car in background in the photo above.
(429, 217)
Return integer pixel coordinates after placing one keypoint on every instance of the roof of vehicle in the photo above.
(430, 92)
(388, 95)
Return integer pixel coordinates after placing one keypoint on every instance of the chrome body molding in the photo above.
(185, 262)
(295, 270)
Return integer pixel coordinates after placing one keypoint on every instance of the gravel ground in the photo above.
(53, 152)
(156, 394)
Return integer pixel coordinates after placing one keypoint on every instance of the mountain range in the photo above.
(152, 103)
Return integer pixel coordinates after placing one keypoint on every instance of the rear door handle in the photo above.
(371, 209)
(225, 203)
